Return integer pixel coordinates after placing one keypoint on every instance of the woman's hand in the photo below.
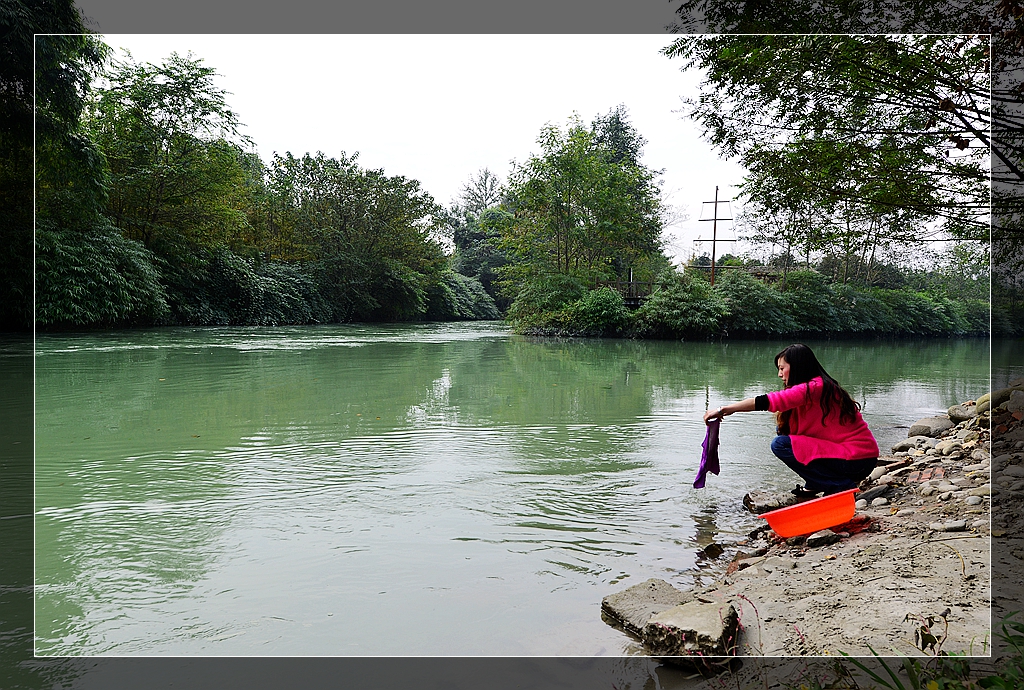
(747, 405)
(711, 415)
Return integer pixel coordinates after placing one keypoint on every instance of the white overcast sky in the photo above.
(439, 108)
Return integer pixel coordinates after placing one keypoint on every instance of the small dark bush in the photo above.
(683, 305)
(599, 313)
(95, 277)
(754, 308)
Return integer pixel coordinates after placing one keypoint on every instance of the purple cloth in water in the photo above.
(709, 458)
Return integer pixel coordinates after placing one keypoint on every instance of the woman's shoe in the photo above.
(804, 492)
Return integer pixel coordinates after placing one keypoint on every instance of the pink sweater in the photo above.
(812, 439)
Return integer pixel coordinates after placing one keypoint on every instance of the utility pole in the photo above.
(714, 231)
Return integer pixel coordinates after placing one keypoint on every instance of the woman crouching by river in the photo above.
(821, 434)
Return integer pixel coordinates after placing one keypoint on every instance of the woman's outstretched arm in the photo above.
(747, 405)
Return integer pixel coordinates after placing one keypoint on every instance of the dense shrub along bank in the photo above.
(100, 279)
(685, 305)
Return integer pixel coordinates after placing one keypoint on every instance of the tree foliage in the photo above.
(46, 59)
(581, 209)
(174, 152)
(889, 127)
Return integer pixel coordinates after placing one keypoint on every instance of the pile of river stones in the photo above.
(962, 459)
(949, 468)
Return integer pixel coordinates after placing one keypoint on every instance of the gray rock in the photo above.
(948, 446)
(954, 526)
(861, 504)
(1015, 403)
(961, 413)
(985, 490)
(773, 563)
(911, 443)
(758, 502)
(946, 496)
(877, 472)
(1013, 471)
(879, 502)
(905, 512)
(822, 538)
(633, 607)
(998, 397)
(930, 426)
(937, 527)
(979, 523)
(874, 492)
(981, 455)
(693, 629)
(973, 500)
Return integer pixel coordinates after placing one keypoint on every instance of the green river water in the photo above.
(402, 490)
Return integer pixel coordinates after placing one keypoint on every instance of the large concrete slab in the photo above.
(633, 607)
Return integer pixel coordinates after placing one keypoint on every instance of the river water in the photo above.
(403, 490)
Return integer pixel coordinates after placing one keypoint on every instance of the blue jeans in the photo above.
(830, 475)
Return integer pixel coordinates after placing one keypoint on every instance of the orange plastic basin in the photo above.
(811, 516)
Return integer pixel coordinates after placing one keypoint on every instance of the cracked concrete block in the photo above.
(694, 629)
(634, 606)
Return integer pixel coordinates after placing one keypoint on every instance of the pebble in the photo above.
(861, 504)
(951, 526)
(946, 496)
(905, 512)
(878, 502)
(977, 467)
(876, 473)
(1014, 471)
(984, 490)
(1019, 486)
(972, 500)
(979, 523)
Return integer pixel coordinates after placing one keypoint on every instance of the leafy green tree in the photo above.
(476, 220)
(44, 76)
(893, 123)
(580, 210)
(614, 131)
(369, 239)
(174, 151)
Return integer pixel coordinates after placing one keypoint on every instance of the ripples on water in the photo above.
(382, 490)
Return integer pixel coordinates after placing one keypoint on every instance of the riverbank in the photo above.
(911, 574)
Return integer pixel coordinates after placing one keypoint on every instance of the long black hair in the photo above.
(804, 366)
